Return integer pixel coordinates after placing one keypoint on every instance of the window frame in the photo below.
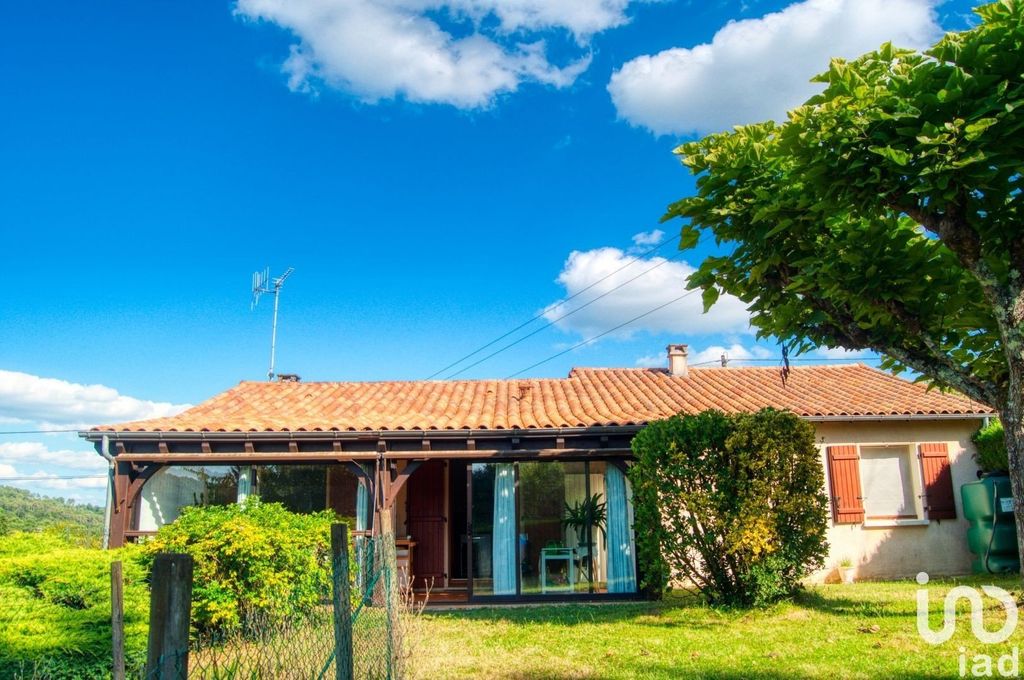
(916, 480)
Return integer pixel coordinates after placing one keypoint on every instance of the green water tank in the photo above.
(992, 536)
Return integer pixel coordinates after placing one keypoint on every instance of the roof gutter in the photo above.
(354, 435)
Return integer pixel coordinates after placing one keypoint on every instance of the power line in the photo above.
(808, 360)
(552, 322)
(601, 335)
(541, 314)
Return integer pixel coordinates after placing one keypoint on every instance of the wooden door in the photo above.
(427, 523)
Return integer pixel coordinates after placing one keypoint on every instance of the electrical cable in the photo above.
(601, 335)
(562, 302)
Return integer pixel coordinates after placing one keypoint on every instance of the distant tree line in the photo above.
(22, 510)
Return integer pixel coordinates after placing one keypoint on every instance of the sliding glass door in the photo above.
(542, 529)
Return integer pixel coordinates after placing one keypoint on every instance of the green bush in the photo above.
(732, 505)
(55, 618)
(990, 445)
(251, 561)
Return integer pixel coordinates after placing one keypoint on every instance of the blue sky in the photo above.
(436, 171)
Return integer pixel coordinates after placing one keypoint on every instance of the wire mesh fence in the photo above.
(306, 647)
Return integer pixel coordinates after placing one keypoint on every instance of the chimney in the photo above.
(677, 361)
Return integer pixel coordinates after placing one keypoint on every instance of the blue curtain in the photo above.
(503, 546)
(362, 507)
(621, 565)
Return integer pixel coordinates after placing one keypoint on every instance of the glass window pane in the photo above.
(300, 488)
(342, 492)
(556, 539)
(888, 492)
(494, 529)
(175, 487)
(483, 528)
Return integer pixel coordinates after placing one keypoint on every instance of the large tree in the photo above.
(885, 214)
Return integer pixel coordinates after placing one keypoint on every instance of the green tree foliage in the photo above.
(251, 561)
(55, 613)
(733, 505)
(885, 214)
(990, 444)
(26, 511)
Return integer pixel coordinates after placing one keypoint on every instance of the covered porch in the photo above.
(481, 517)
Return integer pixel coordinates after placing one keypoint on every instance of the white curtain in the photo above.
(166, 493)
(503, 547)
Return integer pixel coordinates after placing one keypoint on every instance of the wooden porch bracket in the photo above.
(128, 482)
(139, 476)
(400, 479)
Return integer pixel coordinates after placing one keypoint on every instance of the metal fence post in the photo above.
(343, 662)
(117, 618)
(170, 610)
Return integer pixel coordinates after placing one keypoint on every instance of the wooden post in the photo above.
(343, 662)
(170, 609)
(117, 618)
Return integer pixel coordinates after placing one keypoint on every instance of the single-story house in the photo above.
(483, 478)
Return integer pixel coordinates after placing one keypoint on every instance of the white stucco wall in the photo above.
(881, 550)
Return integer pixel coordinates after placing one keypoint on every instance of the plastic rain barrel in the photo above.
(992, 536)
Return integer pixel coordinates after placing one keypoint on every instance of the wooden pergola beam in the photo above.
(214, 458)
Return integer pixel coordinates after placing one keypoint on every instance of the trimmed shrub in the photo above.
(990, 445)
(55, 618)
(731, 505)
(251, 561)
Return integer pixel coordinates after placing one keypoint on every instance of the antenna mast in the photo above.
(262, 283)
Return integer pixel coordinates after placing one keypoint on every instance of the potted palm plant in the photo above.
(588, 512)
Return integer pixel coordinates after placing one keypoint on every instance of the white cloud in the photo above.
(81, 487)
(49, 482)
(663, 281)
(27, 398)
(382, 49)
(36, 452)
(841, 353)
(648, 238)
(757, 69)
(712, 356)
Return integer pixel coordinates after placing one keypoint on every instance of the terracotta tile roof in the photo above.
(588, 397)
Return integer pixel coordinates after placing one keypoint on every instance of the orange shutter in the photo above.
(844, 482)
(938, 482)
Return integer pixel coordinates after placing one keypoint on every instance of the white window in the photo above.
(888, 483)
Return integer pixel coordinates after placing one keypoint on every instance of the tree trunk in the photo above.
(1013, 432)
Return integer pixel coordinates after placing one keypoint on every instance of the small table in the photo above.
(554, 555)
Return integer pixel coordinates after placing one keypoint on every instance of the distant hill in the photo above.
(22, 510)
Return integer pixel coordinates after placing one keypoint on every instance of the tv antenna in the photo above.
(262, 283)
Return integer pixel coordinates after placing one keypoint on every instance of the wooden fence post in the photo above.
(170, 609)
(117, 618)
(343, 661)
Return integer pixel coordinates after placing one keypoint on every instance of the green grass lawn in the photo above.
(864, 630)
